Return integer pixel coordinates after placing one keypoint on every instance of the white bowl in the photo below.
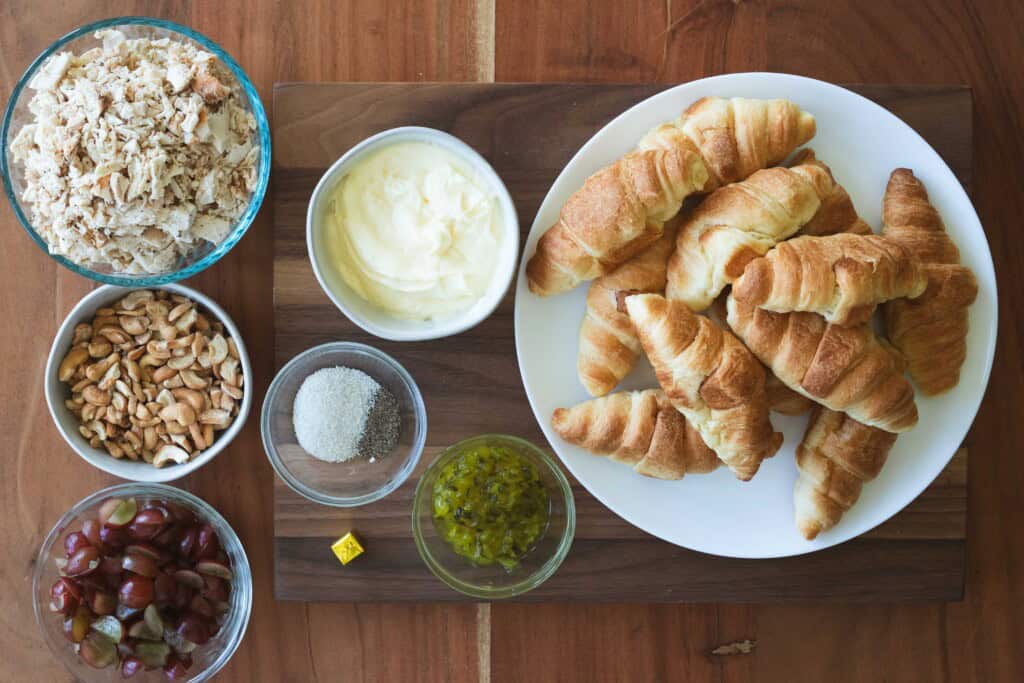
(57, 392)
(373, 319)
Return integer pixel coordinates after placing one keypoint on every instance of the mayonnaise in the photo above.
(414, 230)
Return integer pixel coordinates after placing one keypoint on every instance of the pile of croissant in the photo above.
(789, 278)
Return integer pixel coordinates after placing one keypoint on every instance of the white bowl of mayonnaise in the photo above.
(413, 235)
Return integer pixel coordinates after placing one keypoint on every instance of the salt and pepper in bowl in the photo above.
(343, 424)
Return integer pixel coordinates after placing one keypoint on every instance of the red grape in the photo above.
(91, 529)
(175, 668)
(74, 542)
(130, 666)
(97, 650)
(136, 591)
(103, 603)
(215, 589)
(194, 628)
(207, 543)
(112, 538)
(141, 565)
(188, 541)
(164, 589)
(85, 560)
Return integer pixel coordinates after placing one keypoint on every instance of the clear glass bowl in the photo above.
(208, 659)
(357, 481)
(493, 581)
(80, 40)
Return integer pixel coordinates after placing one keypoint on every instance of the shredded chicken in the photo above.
(139, 152)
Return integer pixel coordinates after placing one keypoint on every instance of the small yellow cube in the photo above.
(347, 548)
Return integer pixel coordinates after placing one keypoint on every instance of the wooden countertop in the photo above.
(927, 42)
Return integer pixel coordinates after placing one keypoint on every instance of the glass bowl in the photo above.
(207, 659)
(18, 114)
(493, 581)
(357, 481)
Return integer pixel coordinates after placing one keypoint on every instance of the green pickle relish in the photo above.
(490, 505)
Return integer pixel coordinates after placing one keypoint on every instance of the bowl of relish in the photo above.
(493, 516)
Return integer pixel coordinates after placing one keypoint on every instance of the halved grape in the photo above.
(124, 612)
(193, 627)
(177, 643)
(130, 666)
(150, 517)
(118, 513)
(141, 565)
(176, 669)
(91, 529)
(136, 591)
(215, 589)
(153, 655)
(110, 565)
(97, 650)
(214, 568)
(103, 603)
(113, 538)
(74, 542)
(142, 532)
(146, 549)
(189, 578)
(188, 541)
(110, 627)
(207, 543)
(182, 597)
(153, 620)
(65, 596)
(82, 562)
(77, 626)
(201, 606)
(164, 589)
(140, 630)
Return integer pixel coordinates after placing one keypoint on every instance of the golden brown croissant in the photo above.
(836, 213)
(638, 428)
(609, 347)
(835, 458)
(931, 330)
(710, 377)
(843, 368)
(781, 398)
(784, 400)
(843, 277)
(621, 208)
(738, 223)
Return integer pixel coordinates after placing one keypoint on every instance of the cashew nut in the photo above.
(169, 453)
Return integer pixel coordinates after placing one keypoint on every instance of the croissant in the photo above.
(608, 347)
(710, 377)
(781, 398)
(621, 208)
(738, 223)
(844, 368)
(843, 277)
(638, 428)
(931, 330)
(835, 458)
(836, 213)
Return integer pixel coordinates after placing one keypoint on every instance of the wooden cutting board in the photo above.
(471, 382)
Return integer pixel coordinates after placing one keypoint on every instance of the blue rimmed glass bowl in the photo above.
(78, 41)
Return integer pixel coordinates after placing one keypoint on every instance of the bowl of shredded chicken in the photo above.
(134, 151)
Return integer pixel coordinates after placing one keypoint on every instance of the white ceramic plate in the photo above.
(716, 513)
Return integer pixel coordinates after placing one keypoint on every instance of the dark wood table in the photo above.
(927, 42)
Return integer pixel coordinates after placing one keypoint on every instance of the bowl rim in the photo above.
(241, 226)
(156, 489)
(546, 571)
(101, 459)
(310, 493)
(460, 322)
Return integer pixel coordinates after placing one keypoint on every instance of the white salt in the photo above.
(330, 412)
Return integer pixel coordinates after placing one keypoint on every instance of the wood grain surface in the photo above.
(471, 382)
(974, 42)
